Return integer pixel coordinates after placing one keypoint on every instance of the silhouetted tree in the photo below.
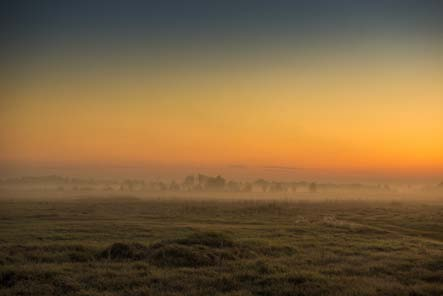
(233, 186)
(247, 187)
(202, 180)
(313, 187)
(263, 184)
(217, 183)
(276, 187)
(189, 181)
(174, 186)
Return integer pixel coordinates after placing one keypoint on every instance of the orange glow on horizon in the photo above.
(340, 116)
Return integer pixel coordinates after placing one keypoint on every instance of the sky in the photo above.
(291, 89)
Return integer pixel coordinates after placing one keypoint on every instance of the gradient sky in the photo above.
(336, 86)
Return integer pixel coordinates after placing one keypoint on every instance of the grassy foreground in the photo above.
(146, 247)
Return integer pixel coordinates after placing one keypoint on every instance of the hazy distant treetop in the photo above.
(189, 180)
(313, 187)
(261, 182)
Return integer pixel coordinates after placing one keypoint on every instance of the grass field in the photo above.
(167, 247)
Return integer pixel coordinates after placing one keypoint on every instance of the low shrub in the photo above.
(175, 255)
(122, 251)
(209, 239)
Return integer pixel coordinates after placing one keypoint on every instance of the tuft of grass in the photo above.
(8, 278)
(122, 251)
(209, 239)
(196, 250)
(174, 255)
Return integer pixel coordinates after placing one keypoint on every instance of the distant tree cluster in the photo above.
(191, 183)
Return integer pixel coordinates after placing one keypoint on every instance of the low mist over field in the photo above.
(200, 186)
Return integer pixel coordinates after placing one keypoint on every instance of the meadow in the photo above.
(131, 246)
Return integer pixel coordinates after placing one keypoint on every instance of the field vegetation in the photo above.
(131, 246)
